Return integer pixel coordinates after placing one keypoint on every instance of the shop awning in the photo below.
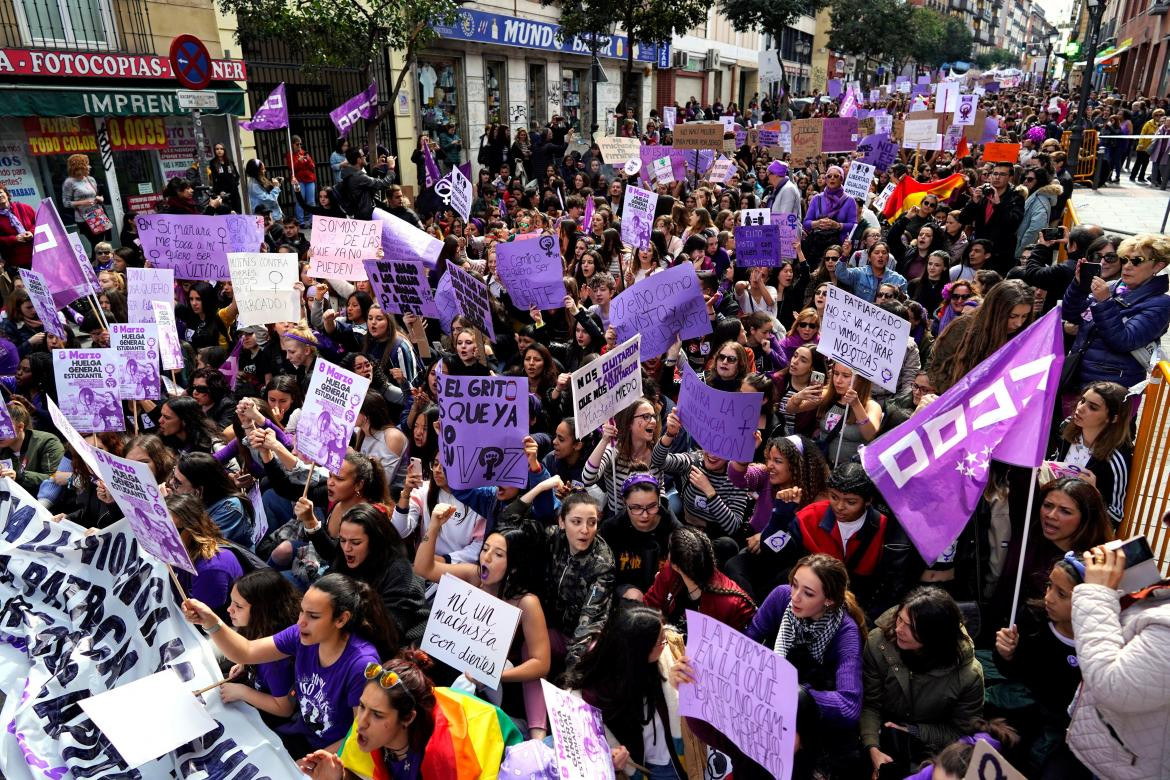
(50, 100)
(1112, 51)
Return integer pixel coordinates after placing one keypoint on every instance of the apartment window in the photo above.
(67, 23)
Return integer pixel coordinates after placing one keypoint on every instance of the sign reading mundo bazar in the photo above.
(484, 27)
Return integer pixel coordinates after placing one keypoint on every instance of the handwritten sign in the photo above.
(869, 340)
(331, 407)
(263, 286)
(605, 386)
(879, 202)
(87, 389)
(721, 170)
(196, 246)
(735, 676)
(839, 134)
(578, 736)
(987, 764)
(340, 246)
(532, 272)
(919, 132)
(42, 300)
(473, 299)
(470, 630)
(723, 423)
(662, 307)
(858, 179)
(1008, 153)
(806, 139)
(878, 150)
(482, 424)
(400, 287)
(638, 216)
(144, 285)
(615, 150)
(168, 334)
(698, 135)
(757, 245)
(137, 348)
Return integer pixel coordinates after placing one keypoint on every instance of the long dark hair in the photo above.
(210, 478)
(384, 539)
(199, 429)
(367, 614)
(1095, 526)
(937, 623)
(522, 543)
(275, 603)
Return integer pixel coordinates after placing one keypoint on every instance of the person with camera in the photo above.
(1043, 193)
(355, 192)
(1042, 273)
(179, 198)
(263, 191)
(996, 211)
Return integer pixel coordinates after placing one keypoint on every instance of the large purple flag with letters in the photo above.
(363, 105)
(272, 115)
(932, 468)
(56, 260)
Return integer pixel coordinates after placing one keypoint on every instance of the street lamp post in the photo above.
(1096, 11)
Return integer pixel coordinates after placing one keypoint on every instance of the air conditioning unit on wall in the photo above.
(712, 61)
(682, 59)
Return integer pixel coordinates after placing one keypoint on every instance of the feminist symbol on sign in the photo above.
(965, 110)
(443, 190)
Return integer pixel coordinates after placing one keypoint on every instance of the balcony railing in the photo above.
(77, 25)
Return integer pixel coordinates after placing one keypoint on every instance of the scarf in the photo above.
(10, 213)
(813, 634)
(832, 200)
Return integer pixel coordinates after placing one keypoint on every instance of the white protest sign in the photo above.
(145, 285)
(918, 132)
(966, 110)
(669, 117)
(755, 217)
(882, 123)
(605, 386)
(331, 407)
(859, 178)
(769, 62)
(168, 336)
(946, 97)
(454, 190)
(470, 630)
(879, 202)
(136, 344)
(721, 170)
(869, 340)
(340, 245)
(638, 216)
(662, 170)
(263, 284)
(176, 717)
(87, 389)
(578, 736)
(987, 764)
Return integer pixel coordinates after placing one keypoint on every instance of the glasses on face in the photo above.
(386, 678)
(807, 325)
(962, 296)
(647, 417)
(1029, 178)
(929, 205)
(998, 173)
(1135, 261)
(200, 389)
(832, 258)
(1106, 257)
(728, 358)
(635, 509)
(882, 295)
(922, 388)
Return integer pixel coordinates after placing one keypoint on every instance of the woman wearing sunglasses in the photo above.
(1119, 323)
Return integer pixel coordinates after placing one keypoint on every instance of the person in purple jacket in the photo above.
(342, 627)
(831, 215)
(216, 566)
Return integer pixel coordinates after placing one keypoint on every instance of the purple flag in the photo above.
(723, 423)
(273, 115)
(231, 367)
(588, 217)
(363, 105)
(932, 468)
(55, 258)
(429, 168)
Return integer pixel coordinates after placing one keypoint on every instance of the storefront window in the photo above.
(438, 94)
(495, 76)
(537, 100)
(575, 97)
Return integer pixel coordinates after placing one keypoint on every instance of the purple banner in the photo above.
(87, 389)
(638, 216)
(363, 105)
(734, 676)
(662, 307)
(473, 299)
(145, 285)
(195, 246)
(723, 423)
(587, 217)
(403, 241)
(878, 150)
(331, 407)
(838, 134)
(42, 301)
(401, 287)
(757, 245)
(932, 468)
(55, 258)
(272, 115)
(532, 272)
(483, 422)
(834, 88)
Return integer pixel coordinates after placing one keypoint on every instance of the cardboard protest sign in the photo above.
(168, 336)
(133, 486)
(866, 126)
(455, 191)
(42, 300)
(698, 135)
(470, 630)
(662, 307)
(839, 134)
(578, 736)
(615, 150)
(327, 418)
(987, 764)
(340, 245)
(735, 676)
(878, 150)
(473, 299)
(870, 340)
(196, 246)
(401, 287)
(532, 272)
(789, 236)
(806, 139)
(918, 133)
(144, 285)
(70, 581)
(1008, 153)
(176, 718)
(638, 216)
(606, 385)
(403, 241)
(263, 286)
(87, 389)
(483, 421)
(757, 245)
(721, 170)
(723, 423)
(755, 216)
(858, 179)
(137, 347)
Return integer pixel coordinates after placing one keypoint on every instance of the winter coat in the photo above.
(941, 703)
(1000, 229)
(722, 599)
(355, 192)
(1121, 716)
(1038, 209)
(1124, 322)
(17, 254)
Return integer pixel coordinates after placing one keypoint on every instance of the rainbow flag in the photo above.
(909, 193)
(468, 742)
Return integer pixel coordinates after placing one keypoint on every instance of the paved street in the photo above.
(1124, 208)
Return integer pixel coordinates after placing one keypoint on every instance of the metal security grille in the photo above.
(77, 25)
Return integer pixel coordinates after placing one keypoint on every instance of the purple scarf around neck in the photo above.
(832, 200)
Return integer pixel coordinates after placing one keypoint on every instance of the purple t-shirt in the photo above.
(326, 695)
(214, 577)
(275, 678)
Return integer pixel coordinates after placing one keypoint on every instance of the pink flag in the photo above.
(932, 468)
(56, 259)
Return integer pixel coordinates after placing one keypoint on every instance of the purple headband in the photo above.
(982, 735)
(295, 337)
(796, 442)
(639, 478)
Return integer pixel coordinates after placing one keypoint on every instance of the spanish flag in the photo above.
(467, 744)
(909, 193)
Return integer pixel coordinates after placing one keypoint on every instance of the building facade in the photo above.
(1142, 51)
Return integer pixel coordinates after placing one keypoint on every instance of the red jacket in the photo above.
(819, 534)
(17, 253)
(303, 167)
(722, 599)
